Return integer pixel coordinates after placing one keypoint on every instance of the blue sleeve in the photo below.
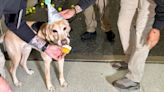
(86, 3)
(9, 6)
(24, 31)
(159, 17)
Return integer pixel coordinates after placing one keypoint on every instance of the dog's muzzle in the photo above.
(64, 42)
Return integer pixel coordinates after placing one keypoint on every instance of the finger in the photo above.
(66, 16)
(63, 12)
(152, 44)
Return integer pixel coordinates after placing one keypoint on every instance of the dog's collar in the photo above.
(36, 26)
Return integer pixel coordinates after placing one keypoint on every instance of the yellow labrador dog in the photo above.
(18, 50)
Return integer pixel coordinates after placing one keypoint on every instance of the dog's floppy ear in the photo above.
(36, 26)
(68, 32)
(68, 29)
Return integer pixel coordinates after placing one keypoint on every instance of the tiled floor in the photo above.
(86, 77)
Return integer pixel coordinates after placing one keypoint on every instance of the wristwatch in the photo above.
(45, 46)
(78, 9)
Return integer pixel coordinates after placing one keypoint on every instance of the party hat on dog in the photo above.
(53, 14)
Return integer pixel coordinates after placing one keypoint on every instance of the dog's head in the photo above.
(57, 32)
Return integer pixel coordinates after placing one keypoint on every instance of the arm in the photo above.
(85, 3)
(82, 5)
(154, 34)
(2, 3)
(11, 18)
(9, 6)
(24, 32)
(159, 17)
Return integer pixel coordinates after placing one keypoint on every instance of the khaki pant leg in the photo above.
(126, 14)
(90, 20)
(31, 3)
(140, 54)
(104, 17)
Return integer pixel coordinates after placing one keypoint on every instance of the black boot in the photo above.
(88, 35)
(110, 36)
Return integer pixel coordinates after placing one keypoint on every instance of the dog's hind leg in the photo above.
(25, 54)
(62, 81)
(15, 58)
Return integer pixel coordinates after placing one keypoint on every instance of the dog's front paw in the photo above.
(30, 72)
(51, 88)
(64, 84)
(18, 84)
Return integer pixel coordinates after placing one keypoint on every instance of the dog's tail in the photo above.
(2, 38)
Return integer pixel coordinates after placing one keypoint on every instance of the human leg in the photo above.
(91, 24)
(143, 25)
(126, 14)
(140, 53)
(104, 19)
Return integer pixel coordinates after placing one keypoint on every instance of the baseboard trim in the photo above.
(109, 58)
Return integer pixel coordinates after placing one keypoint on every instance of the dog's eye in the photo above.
(64, 28)
(54, 31)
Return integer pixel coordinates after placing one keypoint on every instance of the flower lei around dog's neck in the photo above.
(32, 10)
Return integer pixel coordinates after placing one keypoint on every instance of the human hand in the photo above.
(153, 37)
(54, 52)
(68, 13)
(4, 86)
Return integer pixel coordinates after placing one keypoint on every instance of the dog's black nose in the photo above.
(64, 42)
